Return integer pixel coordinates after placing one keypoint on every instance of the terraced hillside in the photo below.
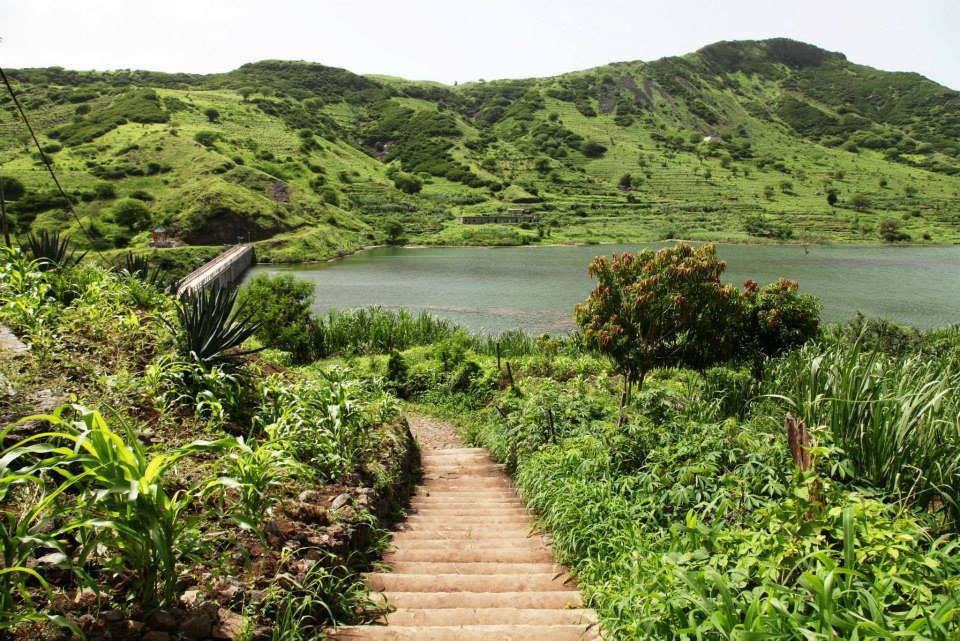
(759, 140)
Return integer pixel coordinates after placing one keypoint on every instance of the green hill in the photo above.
(737, 141)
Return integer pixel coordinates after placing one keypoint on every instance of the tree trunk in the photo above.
(623, 399)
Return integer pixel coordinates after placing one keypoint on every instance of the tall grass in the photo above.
(374, 330)
(897, 419)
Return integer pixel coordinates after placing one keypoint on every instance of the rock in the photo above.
(262, 633)
(156, 635)
(113, 616)
(308, 496)
(162, 620)
(230, 625)
(197, 626)
(286, 581)
(340, 501)
(85, 598)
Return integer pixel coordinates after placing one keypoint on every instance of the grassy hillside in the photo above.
(738, 141)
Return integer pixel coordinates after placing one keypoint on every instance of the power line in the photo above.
(45, 159)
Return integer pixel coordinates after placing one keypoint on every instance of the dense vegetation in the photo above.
(805, 492)
(311, 161)
(157, 477)
(770, 479)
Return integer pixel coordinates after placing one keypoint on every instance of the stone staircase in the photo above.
(466, 566)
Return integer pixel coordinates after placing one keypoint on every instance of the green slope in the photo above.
(737, 141)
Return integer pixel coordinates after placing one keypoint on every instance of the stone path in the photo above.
(466, 565)
(10, 343)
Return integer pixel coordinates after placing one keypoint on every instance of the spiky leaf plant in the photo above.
(51, 251)
(139, 267)
(212, 328)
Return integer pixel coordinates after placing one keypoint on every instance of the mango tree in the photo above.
(662, 308)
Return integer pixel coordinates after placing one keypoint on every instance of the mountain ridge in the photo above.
(739, 140)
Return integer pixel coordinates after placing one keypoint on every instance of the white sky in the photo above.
(457, 40)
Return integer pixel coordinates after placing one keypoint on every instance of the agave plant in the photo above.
(211, 328)
(51, 251)
(139, 267)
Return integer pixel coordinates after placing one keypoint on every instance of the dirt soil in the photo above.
(433, 433)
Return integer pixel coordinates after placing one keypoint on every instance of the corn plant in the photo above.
(149, 528)
(332, 592)
(258, 468)
(38, 531)
(323, 424)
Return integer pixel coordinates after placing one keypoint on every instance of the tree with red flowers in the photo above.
(777, 318)
(655, 309)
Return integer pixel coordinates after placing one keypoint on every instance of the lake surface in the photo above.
(535, 288)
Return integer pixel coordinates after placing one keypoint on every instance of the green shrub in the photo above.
(131, 213)
(280, 305)
(407, 183)
(206, 138)
(593, 149)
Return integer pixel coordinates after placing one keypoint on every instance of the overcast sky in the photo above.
(456, 40)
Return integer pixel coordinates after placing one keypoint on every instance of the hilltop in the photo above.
(740, 141)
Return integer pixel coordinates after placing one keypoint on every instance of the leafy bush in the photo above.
(593, 149)
(11, 188)
(206, 138)
(280, 306)
(778, 318)
(131, 213)
(890, 231)
(407, 183)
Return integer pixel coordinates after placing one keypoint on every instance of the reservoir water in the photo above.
(535, 288)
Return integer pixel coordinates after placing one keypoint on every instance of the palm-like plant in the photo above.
(139, 267)
(51, 251)
(211, 328)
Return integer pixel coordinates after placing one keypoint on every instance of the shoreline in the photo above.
(366, 248)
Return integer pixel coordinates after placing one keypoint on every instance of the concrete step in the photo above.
(543, 582)
(489, 566)
(469, 555)
(494, 516)
(510, 536)
(433, 512)
(469, 482)
(548, 600)
(455, 450)
(454, 500)
(466, 633)
(434, 541)
(491, 616)
(470, 466)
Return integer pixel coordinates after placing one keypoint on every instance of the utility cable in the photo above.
(46, 160)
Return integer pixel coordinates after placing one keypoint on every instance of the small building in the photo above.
(512, 216)
(160, 237)
(712, 139)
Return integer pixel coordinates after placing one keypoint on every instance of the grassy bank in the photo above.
(694, 518)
